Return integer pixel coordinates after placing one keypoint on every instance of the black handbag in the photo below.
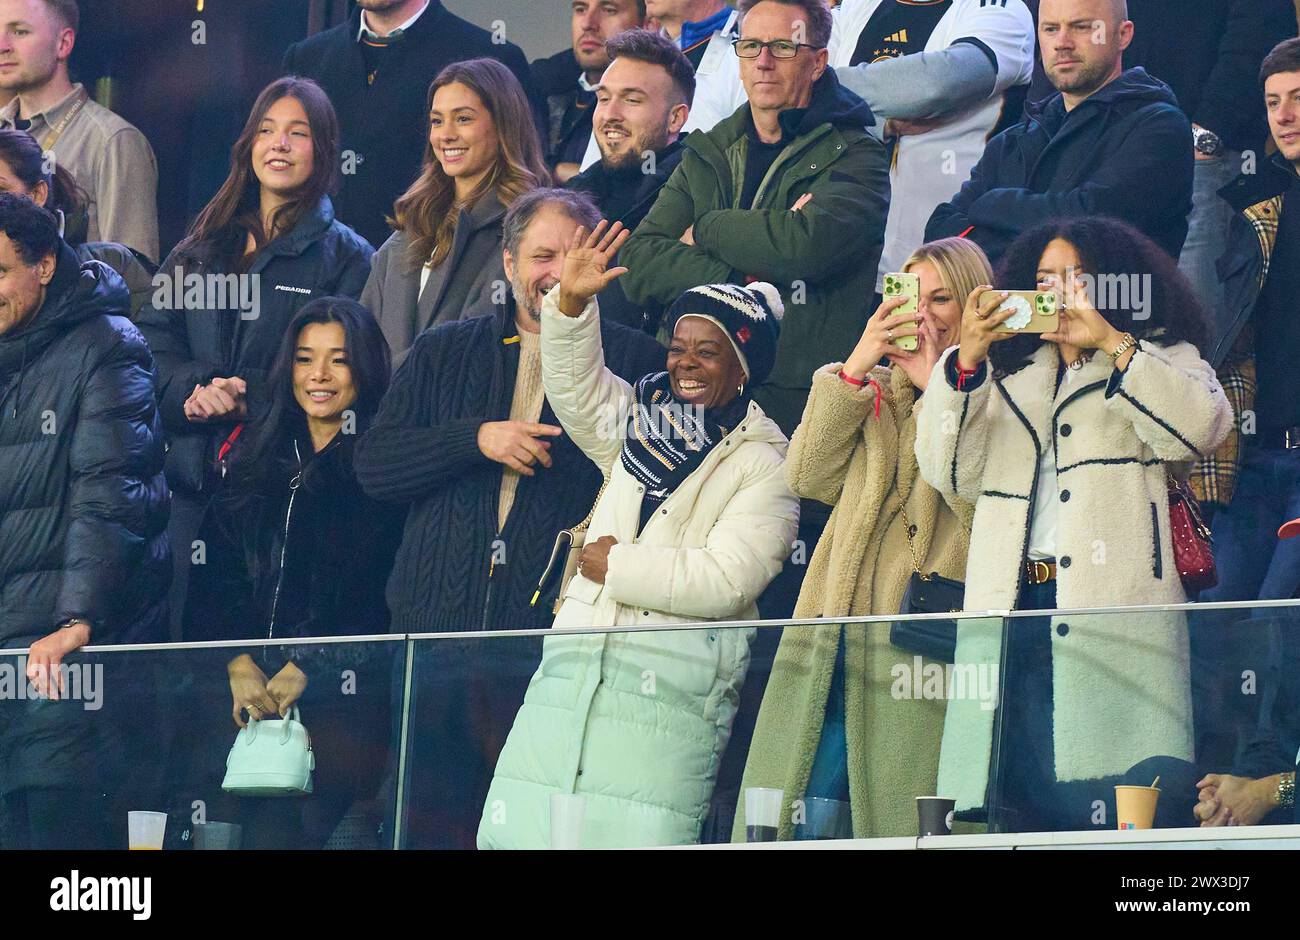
(927, 594)
(933, 639)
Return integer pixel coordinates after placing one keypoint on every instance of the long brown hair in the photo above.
(235, 211)
(427, 211)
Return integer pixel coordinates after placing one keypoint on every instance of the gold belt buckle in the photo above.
(1041, 571)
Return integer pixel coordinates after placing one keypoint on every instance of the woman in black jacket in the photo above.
(293, 549)
(265, 245)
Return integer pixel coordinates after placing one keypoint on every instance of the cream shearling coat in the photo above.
(864, 464)
(1120, 682)
(637, 722)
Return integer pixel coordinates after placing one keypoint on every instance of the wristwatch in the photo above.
(1206, 142)
(1127, 341)
(1286, 789)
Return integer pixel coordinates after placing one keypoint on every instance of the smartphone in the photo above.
(909, 286)
(1036, 311)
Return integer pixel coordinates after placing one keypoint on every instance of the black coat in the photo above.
(193, 342)
(1209, 52)
(385, 126)
(83, 503)
(626, 198)
(569, 108)
(423, 452)
(291, 562)
(1125, 152)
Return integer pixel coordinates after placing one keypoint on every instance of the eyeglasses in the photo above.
(780, 48)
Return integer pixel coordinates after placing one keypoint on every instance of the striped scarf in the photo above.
(667, 439)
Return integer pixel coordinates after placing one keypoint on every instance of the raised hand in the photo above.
(878, 337)
(586, 265)
(979, 323)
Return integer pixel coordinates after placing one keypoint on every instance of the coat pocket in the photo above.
(1157, 566)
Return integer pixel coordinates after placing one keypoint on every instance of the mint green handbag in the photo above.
(271, 758)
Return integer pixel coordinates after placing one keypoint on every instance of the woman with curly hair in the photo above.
(1065, 441)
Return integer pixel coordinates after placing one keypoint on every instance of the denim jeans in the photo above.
(830, 771)
(1253, 563)
(1207, 226)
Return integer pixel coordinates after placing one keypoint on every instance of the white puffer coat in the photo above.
(637, 722)
(1121, 690)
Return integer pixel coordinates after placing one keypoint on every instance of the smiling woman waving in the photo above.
(694, 521)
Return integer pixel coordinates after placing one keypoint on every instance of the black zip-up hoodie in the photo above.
(305, 554)
(1123, 152)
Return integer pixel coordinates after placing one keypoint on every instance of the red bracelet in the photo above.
(860, 383)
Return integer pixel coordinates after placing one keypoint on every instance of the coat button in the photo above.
(664, 511)
(911, 530)
(645, 613)
(1064, 562)
(1065, 496)
(1062, 629)
(1065, 430)
(813, 167)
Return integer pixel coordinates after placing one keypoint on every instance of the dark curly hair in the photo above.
(1109, 250)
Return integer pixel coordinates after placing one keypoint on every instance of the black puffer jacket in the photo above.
(195, 341)
(292, 562)
(83, 503)
(1125, 151)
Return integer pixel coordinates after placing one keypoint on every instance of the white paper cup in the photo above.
(145, 829)
(567, 812)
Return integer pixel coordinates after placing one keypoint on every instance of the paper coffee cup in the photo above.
(1135, 807)
(934, 815)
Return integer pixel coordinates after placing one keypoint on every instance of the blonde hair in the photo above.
(962, 264)
(428, 211)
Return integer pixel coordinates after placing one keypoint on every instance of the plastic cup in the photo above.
(567, 812)
(1135, 807)
(217, 835)
(934, 815)
(825, 819)
(145, 829)
(762, 813)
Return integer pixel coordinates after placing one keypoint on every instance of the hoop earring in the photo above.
(740, 389)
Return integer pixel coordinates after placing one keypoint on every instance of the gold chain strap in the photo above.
(902, 505)
(586, 523)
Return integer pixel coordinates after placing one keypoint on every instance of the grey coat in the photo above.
(462, 283)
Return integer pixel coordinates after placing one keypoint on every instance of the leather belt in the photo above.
(1039, 570)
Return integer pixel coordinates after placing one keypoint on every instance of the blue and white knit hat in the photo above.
(749, 316)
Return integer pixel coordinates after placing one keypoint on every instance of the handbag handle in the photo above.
(284, 725)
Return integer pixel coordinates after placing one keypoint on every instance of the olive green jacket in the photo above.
(823, 258)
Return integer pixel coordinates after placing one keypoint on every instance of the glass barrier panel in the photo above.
(140, 748)
(1134, 719)
(698, 734)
